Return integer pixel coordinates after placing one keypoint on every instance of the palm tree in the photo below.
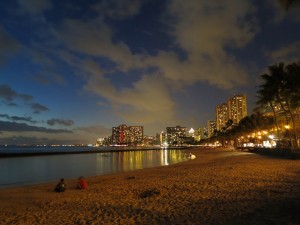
(293, 84)
(228, 124)
(265, 101)
(292, 92)
(281, 87)
(271, 90)
(286, 4)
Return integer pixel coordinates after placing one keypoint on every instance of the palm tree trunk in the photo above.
(276, 120)
(293, 122)
(286, 117)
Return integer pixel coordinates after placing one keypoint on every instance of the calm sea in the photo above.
(19, 171)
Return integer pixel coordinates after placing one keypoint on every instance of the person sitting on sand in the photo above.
(191, 156)
(82, 184)
(60, 187)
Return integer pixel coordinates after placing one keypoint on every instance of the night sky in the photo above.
(71, 70)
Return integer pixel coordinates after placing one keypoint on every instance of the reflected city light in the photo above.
(165, 156)
(134, 160)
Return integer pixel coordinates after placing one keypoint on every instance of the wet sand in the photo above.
(218, 187)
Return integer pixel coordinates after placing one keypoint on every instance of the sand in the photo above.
(218, 187)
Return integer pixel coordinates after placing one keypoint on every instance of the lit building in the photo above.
(136, 135)
(237, 108)
(115, 137)
(175, 135)
(100, 142)
(202, 133)
(211, 127)
(148, 140)
(222, 116)
(192, 132)
(127, 135)
(161, 137)
(120, 135)
(197, 134)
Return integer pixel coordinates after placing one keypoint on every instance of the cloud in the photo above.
(34, 140)
(49, 77)
(147, 101)
(35, 6)
(18, 118)
(118, 9)
(207, 26)
(8, 45)
(10, 95)
(68, 57)
(11, 104)
(25, 97)
(94, 38)
(203, 29)
(288, 53)
(38, 108)
(23, 127)
(53, 122)
(20, 133)
(44, 56)
(98, 130)
(7, 93)
(206, 31)
(284, 10)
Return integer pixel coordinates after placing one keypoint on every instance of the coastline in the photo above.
(220, 186)
(7, 153)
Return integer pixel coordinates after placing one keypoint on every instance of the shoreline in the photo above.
(39, 153)
(218, 187)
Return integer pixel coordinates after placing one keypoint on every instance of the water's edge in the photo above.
(5, 153)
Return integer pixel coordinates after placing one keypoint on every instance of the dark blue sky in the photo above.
(71, 70)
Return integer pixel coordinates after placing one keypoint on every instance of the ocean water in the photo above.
(19, 171)
(66, 149)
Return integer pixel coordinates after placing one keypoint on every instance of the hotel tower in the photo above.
(235, 109)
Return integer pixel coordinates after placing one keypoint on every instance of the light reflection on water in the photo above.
(18, 171)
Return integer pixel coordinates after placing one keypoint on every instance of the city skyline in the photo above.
(72, 70)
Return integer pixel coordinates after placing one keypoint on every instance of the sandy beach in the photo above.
(218, 187)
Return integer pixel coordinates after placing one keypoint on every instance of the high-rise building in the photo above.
(211, 127)
(136, 135)
(222, 116)
(175, 135)
(161, 137)
(237, 108)
(202, 133)
(120, 135)
(127, 135)
(149, 140)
